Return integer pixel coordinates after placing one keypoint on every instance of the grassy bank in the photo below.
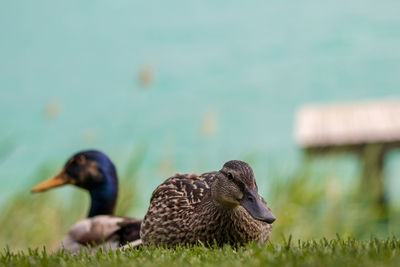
(336, 252)
(307, 206)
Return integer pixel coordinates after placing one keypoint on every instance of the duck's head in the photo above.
(91, 170)
(87, 169)
(235, 186)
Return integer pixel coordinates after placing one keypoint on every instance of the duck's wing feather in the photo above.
(96, 231)
(129, 231)
(170, 204)
(190, 188)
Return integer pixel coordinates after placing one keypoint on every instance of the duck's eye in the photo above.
(230, 175)
(73, 170)
(250, 198)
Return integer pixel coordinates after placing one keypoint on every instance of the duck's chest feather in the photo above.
(235, 227)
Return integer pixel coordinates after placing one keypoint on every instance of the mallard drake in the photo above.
(93, 171)
(221, 207)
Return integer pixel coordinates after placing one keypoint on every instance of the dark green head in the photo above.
(91, 170)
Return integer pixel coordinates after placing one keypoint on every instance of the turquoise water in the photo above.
(228, 78)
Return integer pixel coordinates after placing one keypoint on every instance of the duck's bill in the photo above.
(257, 209)
(56, 181)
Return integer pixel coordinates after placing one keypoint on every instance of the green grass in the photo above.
(336, 252)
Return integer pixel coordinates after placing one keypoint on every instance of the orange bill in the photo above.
(56, 181)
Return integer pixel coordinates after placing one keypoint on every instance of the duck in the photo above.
(214, 208)
(94, 172)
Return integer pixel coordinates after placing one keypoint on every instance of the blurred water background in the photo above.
(183, 86)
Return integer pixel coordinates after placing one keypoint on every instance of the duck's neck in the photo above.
(104, 198)
(212, 212)
(238, 226)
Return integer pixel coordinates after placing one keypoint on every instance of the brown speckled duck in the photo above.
(93, 171)
(222, 207)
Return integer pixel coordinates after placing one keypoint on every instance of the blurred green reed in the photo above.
(314, 206)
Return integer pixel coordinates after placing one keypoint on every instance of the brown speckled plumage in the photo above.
(183, 211)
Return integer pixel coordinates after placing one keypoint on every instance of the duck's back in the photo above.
(188, 187)
(101, 231)
(172, 206)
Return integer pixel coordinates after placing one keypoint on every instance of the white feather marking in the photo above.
(91, 230)
(132, 244)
